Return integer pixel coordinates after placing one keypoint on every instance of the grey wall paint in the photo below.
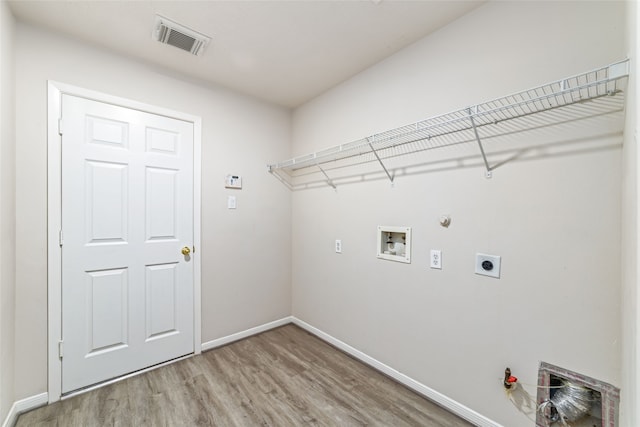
(245, 252)
(442, 328)
(630, 321)
(7, 208)
(552, 212)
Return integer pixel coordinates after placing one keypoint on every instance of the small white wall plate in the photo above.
(436, 259)
(231, 202)
(488, 265)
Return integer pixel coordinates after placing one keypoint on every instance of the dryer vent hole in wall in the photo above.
(570, 402)
(566, 398)
(570, 398)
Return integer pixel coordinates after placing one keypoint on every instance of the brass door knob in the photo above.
(186, 251)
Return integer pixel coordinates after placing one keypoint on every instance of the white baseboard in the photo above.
(244, 334)
(24, 405)
(439, 398)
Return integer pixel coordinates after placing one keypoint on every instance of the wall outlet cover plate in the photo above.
(488, 265)
(436, 259)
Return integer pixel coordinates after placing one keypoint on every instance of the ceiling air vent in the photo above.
(168, 32)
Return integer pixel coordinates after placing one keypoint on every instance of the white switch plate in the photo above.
(338, 246)
(488, 265)
(231, 202)
(436, 259)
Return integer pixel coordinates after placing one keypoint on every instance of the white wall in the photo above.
(7, 208)
(445, 328)
(553, 214)
(245, 252)
(630, 315)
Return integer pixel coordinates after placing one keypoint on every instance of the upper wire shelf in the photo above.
(604, 86)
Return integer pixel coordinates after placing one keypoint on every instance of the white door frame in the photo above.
(54, 217)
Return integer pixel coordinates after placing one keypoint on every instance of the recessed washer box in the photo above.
(394, 243)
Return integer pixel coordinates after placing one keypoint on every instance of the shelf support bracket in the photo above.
(274, 171)
(326, 176)
(375, 153)
(475, 131)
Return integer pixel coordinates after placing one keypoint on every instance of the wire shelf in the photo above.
(559, 101)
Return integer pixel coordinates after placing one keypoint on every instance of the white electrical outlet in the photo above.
(436, 259)
(338, 246)
(488, 265)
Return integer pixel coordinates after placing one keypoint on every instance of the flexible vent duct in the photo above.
(174, 34)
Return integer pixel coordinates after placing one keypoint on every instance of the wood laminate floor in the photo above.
(283, 377)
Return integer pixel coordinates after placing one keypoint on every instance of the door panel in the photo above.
(161, 300)
(162, 141)
(106, 202)
(101, 130)
(127, 210)
(107, 293)
(161, 204)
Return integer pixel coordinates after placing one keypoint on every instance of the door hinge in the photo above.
(60, 126)
(60, 349)
(60, 238)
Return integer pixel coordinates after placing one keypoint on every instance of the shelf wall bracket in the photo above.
(380, 160)
(275, 173)
(326, 176)
(475, 131)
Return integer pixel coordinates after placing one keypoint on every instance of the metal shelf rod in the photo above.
(380, 161)
(484, 156)
(326, 176)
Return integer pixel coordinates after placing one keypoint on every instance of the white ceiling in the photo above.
(285, 52)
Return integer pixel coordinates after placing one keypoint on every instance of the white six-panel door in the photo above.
(127, 215)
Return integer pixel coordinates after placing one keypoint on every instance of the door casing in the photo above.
(54, 217)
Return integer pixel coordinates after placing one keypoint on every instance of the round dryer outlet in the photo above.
(488, 265)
